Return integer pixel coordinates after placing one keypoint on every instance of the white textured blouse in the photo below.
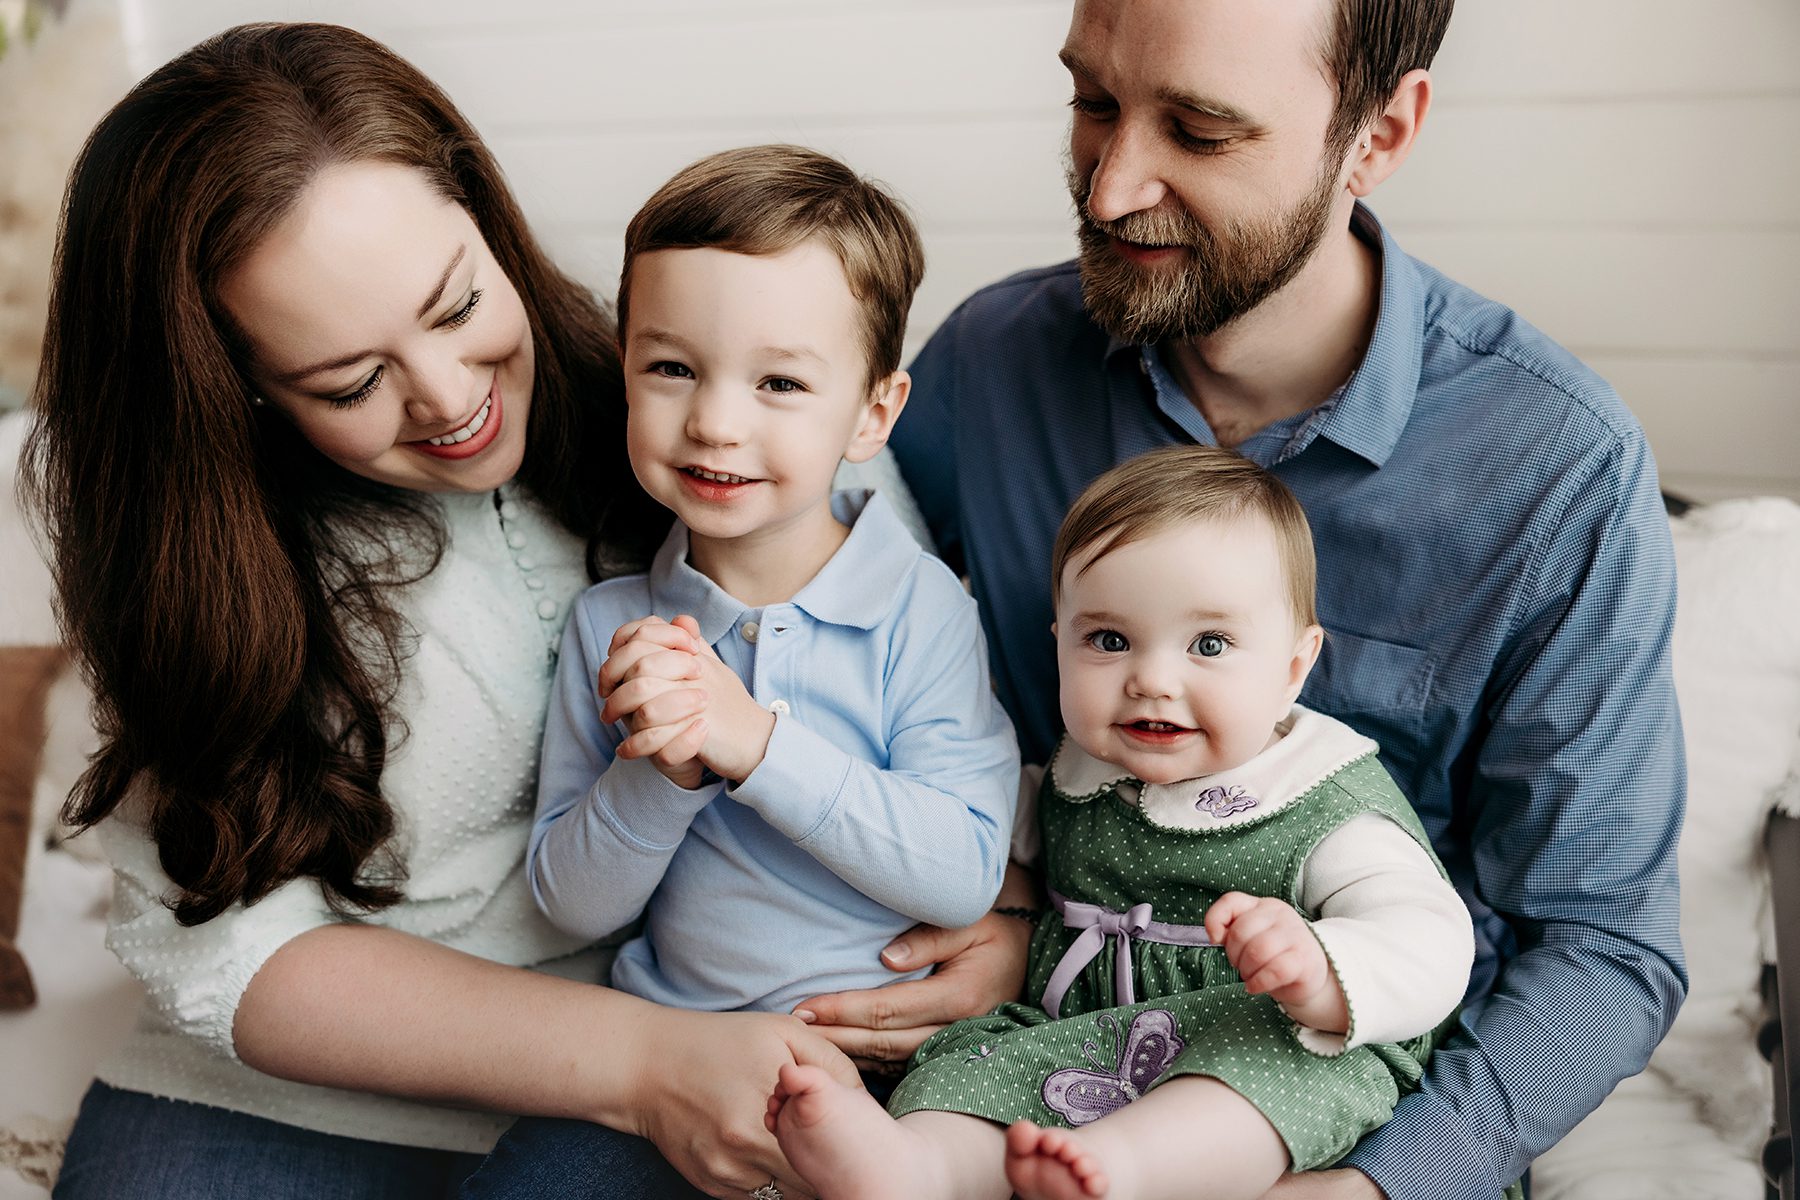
(487, 622)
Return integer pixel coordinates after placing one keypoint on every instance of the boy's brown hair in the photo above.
(767, 199)
(1179, 485)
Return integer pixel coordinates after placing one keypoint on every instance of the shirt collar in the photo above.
(858, 586)
(1374, 405)
(1313, 748)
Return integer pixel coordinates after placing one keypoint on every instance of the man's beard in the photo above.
(1219, 277)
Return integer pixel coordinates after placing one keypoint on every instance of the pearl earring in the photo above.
(257, 401)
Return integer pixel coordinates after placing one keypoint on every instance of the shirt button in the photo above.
(749, 629)
(526, 562)
(516, 540)
(546, 608)
(534, 583)
(778, 707)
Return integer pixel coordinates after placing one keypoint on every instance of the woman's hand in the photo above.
(978, 967)
(701, 1083)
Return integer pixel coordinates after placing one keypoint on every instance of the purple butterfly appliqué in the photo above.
(1080, 1095)
(1222, 802)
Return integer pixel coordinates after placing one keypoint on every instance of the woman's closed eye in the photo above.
(461, 316)
(362, 392)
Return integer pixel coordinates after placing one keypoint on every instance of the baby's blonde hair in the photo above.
(1180, 485)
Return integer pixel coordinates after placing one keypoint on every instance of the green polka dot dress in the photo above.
(1113, 842)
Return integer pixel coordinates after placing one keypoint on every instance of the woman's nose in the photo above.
(440, 392)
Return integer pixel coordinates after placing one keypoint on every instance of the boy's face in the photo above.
(747, 379)
(1178, 653)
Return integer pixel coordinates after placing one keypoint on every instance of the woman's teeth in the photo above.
(467, 431)
(716, 476)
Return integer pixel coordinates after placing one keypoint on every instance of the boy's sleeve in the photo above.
(606, 827)
(927, 837)
(1398, 936)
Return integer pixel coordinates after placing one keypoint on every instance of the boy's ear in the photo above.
(1306, 653)
(882, 409)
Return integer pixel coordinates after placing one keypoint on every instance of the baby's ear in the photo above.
(886, 400)
(1306, 653)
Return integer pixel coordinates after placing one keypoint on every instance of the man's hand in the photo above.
(978, 967)
(1343, 1183)
(1271, 946)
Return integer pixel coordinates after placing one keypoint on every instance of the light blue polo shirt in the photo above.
(885, 798)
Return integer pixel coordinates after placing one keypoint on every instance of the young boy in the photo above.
(1251, 947)
(779, 746)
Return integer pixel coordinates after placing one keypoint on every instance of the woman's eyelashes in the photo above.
(366, 388)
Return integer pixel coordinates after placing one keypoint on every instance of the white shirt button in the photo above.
(546, 608)
(778, 707)
(526, 562)
(749, 629)
(516, 540)
(534, 583)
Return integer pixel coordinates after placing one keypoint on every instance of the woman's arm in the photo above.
(361, 1007)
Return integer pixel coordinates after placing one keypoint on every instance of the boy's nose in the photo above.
(715, 419)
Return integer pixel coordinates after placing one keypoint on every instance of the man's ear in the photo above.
(1379, 149)
(1306, 653)
(880, 411)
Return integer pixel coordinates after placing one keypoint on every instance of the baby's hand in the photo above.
(648, 682)
(1272, 948)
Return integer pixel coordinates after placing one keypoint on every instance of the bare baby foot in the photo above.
(841, 1140)
(1052, 1164)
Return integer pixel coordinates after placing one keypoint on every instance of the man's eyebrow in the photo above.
(345, 360)
(1217, 110)
(443, 281)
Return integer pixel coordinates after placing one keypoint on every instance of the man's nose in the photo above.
(1126, 177)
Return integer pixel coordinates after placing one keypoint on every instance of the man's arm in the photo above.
(1575, 810)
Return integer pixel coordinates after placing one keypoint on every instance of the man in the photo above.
(1495, 572)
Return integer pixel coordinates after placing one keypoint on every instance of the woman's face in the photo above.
(381, 326)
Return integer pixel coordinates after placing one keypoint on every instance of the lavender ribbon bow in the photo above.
(1098, 923)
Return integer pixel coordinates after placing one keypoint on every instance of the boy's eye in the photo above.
(1108, 641)
(781, 385)
(1209, 645)
(670, 370)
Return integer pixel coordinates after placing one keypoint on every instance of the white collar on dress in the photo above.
(1313, 747)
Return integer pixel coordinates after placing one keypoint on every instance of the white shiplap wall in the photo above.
(1623, 172)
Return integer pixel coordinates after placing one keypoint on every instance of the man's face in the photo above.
(1198, 161)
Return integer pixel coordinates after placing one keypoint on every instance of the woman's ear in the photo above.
(1306, 653)
(880, 411)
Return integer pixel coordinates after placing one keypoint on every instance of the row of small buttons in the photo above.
(516, 540)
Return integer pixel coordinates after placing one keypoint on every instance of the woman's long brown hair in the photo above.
(230, 591)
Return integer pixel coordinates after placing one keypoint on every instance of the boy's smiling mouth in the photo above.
(715, 476)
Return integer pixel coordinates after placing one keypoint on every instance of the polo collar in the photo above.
(1373, 406)
(858, 586)
(1313, 748)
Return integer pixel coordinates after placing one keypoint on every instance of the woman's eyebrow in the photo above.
(345, 360)
(443, 282)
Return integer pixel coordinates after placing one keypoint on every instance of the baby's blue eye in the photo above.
(1208, 645)
(1108, 641)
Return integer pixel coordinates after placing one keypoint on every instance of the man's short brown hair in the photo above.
(1180, 485)
(1370, 45)
(767, 199)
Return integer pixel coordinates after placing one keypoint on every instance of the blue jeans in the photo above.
(132, 1144)
(572, 1160)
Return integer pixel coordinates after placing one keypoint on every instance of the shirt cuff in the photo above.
(1424, 1152)
(797, 784)
(657, 811)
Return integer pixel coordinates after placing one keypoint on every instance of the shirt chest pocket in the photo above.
(1381, 688)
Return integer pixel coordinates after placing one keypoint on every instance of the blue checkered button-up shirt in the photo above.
(1497, 586)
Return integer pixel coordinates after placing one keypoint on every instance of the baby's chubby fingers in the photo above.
(1225, 912)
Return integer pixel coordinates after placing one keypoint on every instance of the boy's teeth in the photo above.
(716, 477)
(467, 431)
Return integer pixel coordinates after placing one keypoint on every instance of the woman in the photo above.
(325, 443)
